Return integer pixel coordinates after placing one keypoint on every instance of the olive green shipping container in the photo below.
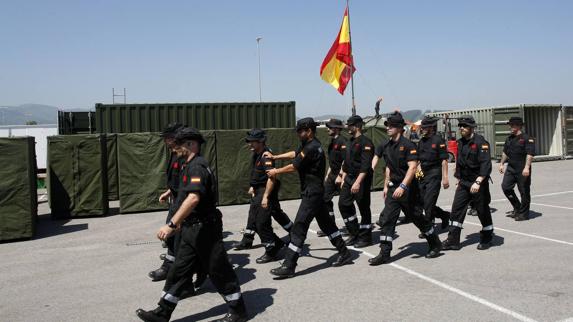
(135, 118)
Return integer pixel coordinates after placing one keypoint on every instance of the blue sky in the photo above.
(417, 54)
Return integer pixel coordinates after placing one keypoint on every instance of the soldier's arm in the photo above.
(412, 166)
(285, 156)
(375, 162)
(503, 158)
(269, 187)
(186, 208)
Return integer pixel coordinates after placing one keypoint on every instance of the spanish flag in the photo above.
(337, 67)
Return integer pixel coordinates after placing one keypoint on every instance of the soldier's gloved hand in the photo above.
(475, 188)
(164, 232)
(501, 168)
(251, 191)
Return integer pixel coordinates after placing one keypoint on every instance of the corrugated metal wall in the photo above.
(132, 118)
(544, 123)
(568, 128)
(483, 117)
(80, 122)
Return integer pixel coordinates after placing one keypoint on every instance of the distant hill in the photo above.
(19, 115)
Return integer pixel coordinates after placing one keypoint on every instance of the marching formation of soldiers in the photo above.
(414, 176)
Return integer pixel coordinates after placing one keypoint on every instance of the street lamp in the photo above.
(259, 54)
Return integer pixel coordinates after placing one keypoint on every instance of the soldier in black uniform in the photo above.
(473, 169)
(336, 153)
(356, 180)
(401, 191)
(265, 196)
(201, 243)
(257, 138)
(518, 150)
(433, 156)
(168, 135)
(309, 161)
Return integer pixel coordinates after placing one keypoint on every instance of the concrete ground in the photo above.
(95, 269)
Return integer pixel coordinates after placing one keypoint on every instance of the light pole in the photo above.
(259, 54)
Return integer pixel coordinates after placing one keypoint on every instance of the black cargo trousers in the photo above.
(311, 206)
(362, 199)
(511, 178)
(480, 201)
(430, 186)
(275, 211)
(202, 246)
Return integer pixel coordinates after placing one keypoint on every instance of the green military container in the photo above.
(18, 192)
(135, 118)
(76, 122)
(142, 164)
(77, 175)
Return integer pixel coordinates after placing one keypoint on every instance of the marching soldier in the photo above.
(433, 156)
(518, 150)
(336, 154)
(201, 243)
(168, 135)
(473, 169)
(356, 180)
(265, 197)
(256, 138)
(309, 161)
(400, 191)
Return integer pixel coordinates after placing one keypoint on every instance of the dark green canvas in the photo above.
(77, 175)
(112, 181)
(18, 193)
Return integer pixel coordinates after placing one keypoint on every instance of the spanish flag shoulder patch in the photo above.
(401, 148)
(484, 146)
(301, 154)
(531, 140)
(367, 148)
(442, 145)
(195, 179)
(343, 147)
(413, 151)
(268, 163)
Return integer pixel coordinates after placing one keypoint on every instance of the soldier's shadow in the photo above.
(257, 301)
(244, 274)
(473, 239)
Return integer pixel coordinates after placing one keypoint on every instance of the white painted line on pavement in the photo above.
(450, 288)
(552, 206)
(524, 234)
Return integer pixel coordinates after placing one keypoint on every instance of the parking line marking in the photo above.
(451, 288)
(552, 206)
(524, 234)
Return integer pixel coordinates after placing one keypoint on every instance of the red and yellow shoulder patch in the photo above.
(401, 148)
(442, 145)
(413, 151)
(195, 179)
(268, 163)
(367, 148)
(484, 146)
(343, 147)
(301, 154)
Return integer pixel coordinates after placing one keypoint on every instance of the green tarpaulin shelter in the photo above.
(18, 192)
(77, 175)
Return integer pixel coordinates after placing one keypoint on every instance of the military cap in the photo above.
(429, 121)
(334, 124)
(395, 120)
(515, 120)
(467, 121)
(306, 123)
(354, 120)
(188, 134)
(170, 130)
(258, 135)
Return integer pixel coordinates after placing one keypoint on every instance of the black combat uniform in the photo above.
(432, 151)
(310, 163)
(473, 161)
(358, 160)
(201, 243)
(397, 154)
(336, 154)
(262, 216)
(517, 148)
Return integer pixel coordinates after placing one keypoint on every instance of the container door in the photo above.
(501, 130)
(568, 120)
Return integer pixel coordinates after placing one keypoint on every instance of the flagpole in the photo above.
(351, 61)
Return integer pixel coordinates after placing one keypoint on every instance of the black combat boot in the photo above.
(485, 238)
(364, 238)
(520, 217)
(453, 240)
(351, 241)
(232, 317)
(283, 271)
(510, 214)
(271, 253)
(434, 244)
(344, 257)
(159, 314)
(245, 243)
(159, 274)
(384, 255)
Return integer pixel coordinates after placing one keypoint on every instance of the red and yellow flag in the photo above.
(337, 67)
